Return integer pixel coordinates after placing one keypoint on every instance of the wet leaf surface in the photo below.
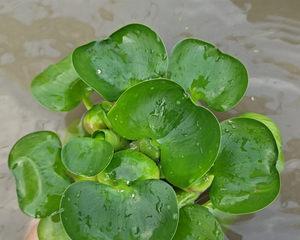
(276, 133)
(58, 87)
(40, 178)
(130, 165)
(144, 210)
(130, 55)
(197, 223)
(246, 179)
(188, 135)
(208, 74)
(85, 156)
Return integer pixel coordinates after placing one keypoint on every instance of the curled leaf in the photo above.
(246, 179)
(58, 87)
(84, 156)
(96, 119)
(208, 74)
(40, 177)
(113, 138)
(188, 135)
(130, 55)
(145, 210)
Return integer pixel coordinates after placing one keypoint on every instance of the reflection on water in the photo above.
(265, 35)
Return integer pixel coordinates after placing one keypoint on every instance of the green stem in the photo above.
(185, 198)
(87, 101)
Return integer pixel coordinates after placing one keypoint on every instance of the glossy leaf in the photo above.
(145, 210)
(208, 74)
(196, 222)
(51, 228)
(276, 133)
(130, 165)
(58, 87)
(130, 55)
(40, 178)
(188, 135)
(84, 156)
(246, 178)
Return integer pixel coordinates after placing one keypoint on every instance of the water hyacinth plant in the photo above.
(150, 148)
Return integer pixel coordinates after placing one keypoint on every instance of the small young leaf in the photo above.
(196, 222)
(148, 147)
(58, 87)
(145, 210)
(113, 138)
(95, 118)
(84, 156)
(51, 228)
(188, 135)
(276, 133)
(40, 178)
(130, 165)
(130, 55)
(208, 74)
(246, 179)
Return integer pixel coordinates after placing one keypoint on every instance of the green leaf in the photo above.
(208, 74)
(145, 210)
(188, 135)
(84, 156)
(130, 55)
(58, 87)
(130, 165)
(40, 177)
(51, 228)
(276, 133)
(246, 179)
(196, 222)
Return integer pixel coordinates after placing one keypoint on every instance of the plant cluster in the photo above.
(150, 149)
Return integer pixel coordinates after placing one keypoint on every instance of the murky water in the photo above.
(265, 35)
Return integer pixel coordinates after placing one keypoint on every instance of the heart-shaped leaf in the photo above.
(51, 228)
(145, 210)
(58, 87)
(188, 135)
(196, 222)
(276, 133)
(40, 178)
(130, 165)
(132, 54)
(246, 178)
(84, 156)
(208, 74)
